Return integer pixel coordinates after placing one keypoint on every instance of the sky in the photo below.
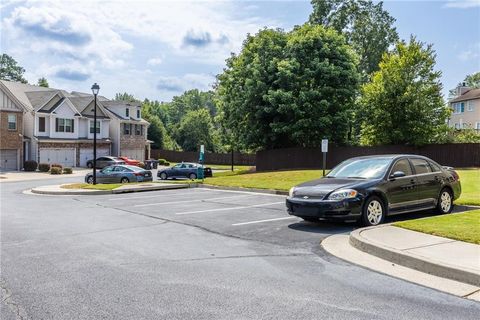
(159, 49)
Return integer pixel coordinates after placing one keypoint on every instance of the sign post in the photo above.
(201, 159)
(324, 151)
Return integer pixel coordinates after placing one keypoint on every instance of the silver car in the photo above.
(105, 161)
(120, 174)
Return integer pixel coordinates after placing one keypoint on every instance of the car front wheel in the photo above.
(445, 201)
(163, 176)
(124, 180)
(373, 212)
(90, 180)
(192, 176)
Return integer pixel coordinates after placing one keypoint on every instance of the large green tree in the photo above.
(10, 70)
(288, 89)
(473, 80)
(190, 100)
(196, 128)
(403, 103)
(367, 26)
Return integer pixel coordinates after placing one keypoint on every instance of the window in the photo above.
(435, 167)
(127, 112)
(458, 107)
(138, 129)
(421, 166)
(92, 129)
(402, 165)
(64, 125)
(477, 126)
(41, 124)
(457, 126)
(138, 113)
(12, 122)
(127, 128)
(470, 106)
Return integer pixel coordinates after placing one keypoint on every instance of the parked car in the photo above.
(367, 189)
(129, 161)
(103, 162)
(183, 170)
(120, 174)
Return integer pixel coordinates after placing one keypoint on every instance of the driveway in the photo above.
(189, 254)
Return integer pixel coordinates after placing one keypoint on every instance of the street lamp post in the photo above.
(95, 89)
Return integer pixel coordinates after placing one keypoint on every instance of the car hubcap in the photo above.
(445, 201)
(374, 212)
(90, 180)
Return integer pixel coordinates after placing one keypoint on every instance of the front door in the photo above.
(401, 191)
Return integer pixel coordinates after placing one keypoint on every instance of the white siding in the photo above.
(7, 104)
(83, 128)
(64, 112)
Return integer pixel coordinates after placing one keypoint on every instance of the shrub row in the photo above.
(54, 168)
(163, 162)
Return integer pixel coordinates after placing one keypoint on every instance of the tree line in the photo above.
(343, 75)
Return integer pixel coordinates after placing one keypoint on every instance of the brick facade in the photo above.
(12, 139)
(131, 142)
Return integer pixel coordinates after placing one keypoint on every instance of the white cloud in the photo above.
(154, 61)
(462, 4)
(185, 82)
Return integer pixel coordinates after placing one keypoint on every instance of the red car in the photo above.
(130, 161)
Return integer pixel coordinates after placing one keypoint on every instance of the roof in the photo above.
(469, 95)
(39, 98)
(19, 91)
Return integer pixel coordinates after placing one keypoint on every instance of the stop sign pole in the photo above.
(324, 152)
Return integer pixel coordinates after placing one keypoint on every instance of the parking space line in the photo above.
(170, 194)
(241, 191)
(230, 208)
(194, 200)
(260, 221)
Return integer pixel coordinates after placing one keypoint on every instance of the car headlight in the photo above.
(343, 194)
(291, 193)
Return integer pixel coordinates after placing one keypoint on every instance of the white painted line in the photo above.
(186, 201)
(241, 191)
(170, 194)
(231, 208)
(260, 221)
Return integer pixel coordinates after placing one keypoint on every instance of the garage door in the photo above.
(8, 159)
(87, 154)
(137, 154)
(65, 157)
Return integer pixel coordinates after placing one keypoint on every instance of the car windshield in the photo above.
(367, 168)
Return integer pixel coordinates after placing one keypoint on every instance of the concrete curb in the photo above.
(47, 190)
(411, 261)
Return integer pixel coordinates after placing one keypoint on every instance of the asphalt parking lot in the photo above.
(188, 254)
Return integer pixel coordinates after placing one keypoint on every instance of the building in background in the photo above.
(465, 108)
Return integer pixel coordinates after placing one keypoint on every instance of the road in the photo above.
(188, 254)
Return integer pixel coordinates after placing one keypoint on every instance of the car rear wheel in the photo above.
(445, 201)
(192, 176)
(373, 212)
(90, 165)
(163, 176)
(90, 180)
(124, 180)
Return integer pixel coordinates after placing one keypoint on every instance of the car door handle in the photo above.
(412, 181)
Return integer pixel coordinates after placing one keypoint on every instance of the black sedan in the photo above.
(120, 174)
(183, 170)
(103, 162)
(366, 189)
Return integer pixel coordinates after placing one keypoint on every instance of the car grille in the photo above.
(312, 196)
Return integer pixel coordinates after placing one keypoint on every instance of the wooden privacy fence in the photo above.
(455, 155)
(210, 158)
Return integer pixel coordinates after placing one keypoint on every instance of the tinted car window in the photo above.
(421, 166)
(119, 169)
(107, 170)
(365, 168)
(402, 165)
(102, 159)
(435, 167)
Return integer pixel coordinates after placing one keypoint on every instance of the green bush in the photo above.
(67, 170)
(162, 162)
(141, 165)
(56, 165)
(55, 170)
(30, 165)
(44, 167)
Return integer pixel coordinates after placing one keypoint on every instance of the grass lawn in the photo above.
(461, 226)
(106, 186)
(284, 180)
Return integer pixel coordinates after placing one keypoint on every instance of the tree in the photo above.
(195, 129)
(10, 70)
(42, 82)
(188, 101)
(403, 104)
(367, 26)
(473, 80)
(125, 97)
(288, 89)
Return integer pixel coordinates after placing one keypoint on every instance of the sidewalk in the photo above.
(444, 264)
(16, 176)
(58, 190)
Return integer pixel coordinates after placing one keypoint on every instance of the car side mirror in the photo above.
(397, 174)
